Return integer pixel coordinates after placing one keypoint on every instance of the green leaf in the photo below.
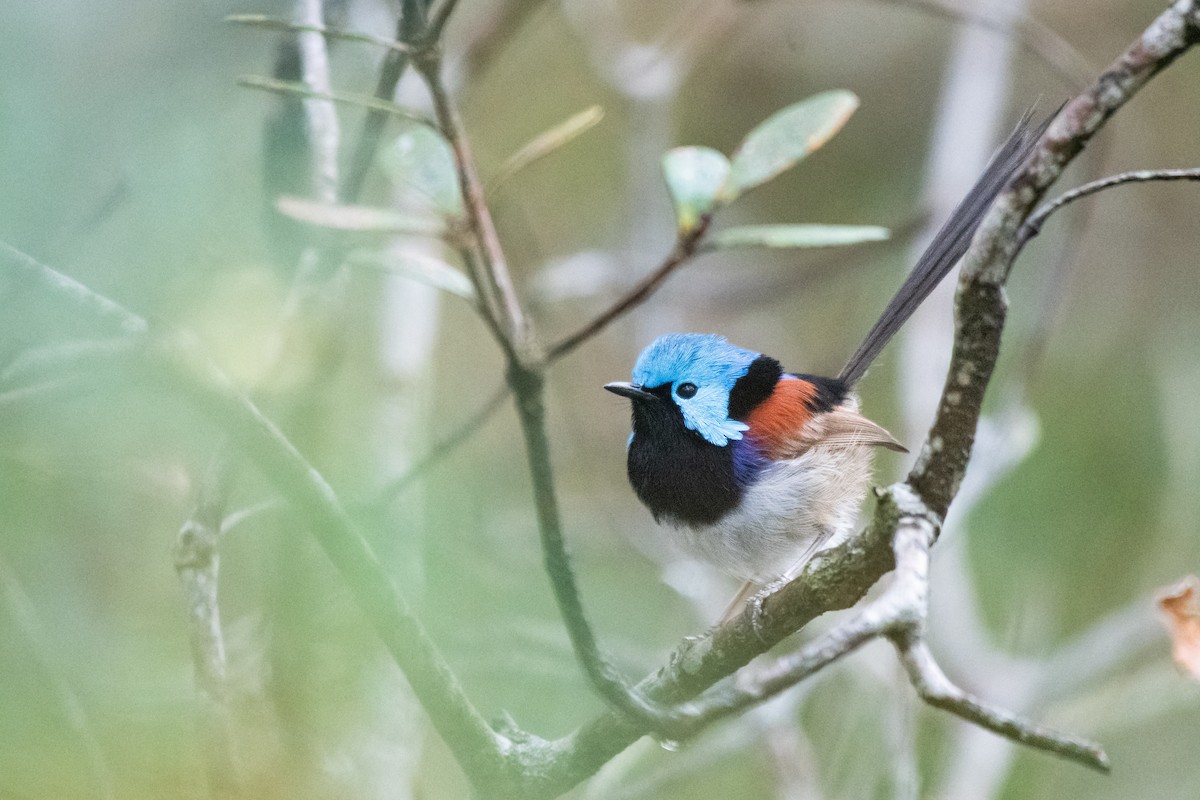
(547, 142)
(362, 219)
(427, 269)
(694, 176)
(795, 236)
(785, 137)
(421, 160)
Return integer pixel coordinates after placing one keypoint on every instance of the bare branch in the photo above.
(443, 447)
(937, 690)
(1031, 35)
(438, 24)
(320, 115)
(496, 288)
(685, 248)
(197, 562)
(1033, 225)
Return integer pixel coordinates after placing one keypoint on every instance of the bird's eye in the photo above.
(686, 390)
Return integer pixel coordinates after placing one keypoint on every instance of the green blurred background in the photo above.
(131, 160)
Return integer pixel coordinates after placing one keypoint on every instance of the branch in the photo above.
(1033, 225)
(685, 248)
(981, 305)
(443, 448)
(176, 365)
(494, 283)
(1031, 35)
(197, 562)
(840, 577)
(394, 64)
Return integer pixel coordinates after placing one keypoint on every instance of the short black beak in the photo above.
(629, 390)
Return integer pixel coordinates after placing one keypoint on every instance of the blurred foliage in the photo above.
(132, 160)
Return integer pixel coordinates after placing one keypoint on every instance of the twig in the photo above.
(394, 64)
(497, 290)
(937, 690)
(197, 562)
(1033, 225)
(1031, 35)
(442, 448)
(438, 23)
(685, 248)
(526, 378)
(320, 115)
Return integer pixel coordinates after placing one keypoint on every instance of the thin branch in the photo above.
(497, 291)
(685, 248)
(1031, 35)
(27, 270)
(280, 24)
(936, 689)
(1033, 225)
(438, 24)
(320, 115)
(373, 125)
(197, 562)
(442, 448)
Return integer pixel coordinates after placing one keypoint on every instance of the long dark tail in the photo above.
(947, 247)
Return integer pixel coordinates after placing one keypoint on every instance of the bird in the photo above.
(755, 469)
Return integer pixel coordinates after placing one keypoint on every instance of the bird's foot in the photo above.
(757, 610)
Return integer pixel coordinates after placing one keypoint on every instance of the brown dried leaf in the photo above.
(1181, 604)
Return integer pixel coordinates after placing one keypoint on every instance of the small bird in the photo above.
(755, 469)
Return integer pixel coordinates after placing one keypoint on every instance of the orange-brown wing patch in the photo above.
(777, 422)
(784, 425)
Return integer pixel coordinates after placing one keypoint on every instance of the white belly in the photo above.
(794, 509)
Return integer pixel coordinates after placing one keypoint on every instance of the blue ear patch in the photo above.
(709, 362)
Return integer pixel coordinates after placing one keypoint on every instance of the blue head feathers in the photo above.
(712, 365)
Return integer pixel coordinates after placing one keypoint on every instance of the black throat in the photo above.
(676, 473)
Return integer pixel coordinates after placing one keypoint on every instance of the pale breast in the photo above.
(793, 509)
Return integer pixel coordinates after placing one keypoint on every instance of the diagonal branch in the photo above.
(178, 366)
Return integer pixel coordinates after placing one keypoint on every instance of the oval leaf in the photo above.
(421, 160)
(363, 219)
(427, 269)
(547, 142)
(786, 137)
(694, 176)
(795, 236)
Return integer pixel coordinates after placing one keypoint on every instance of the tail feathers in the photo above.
(948, 246)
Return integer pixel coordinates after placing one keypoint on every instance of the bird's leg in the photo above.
(735, 605)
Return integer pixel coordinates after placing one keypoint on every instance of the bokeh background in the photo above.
(132, 160)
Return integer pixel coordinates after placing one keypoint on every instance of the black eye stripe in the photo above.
(686, 390)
